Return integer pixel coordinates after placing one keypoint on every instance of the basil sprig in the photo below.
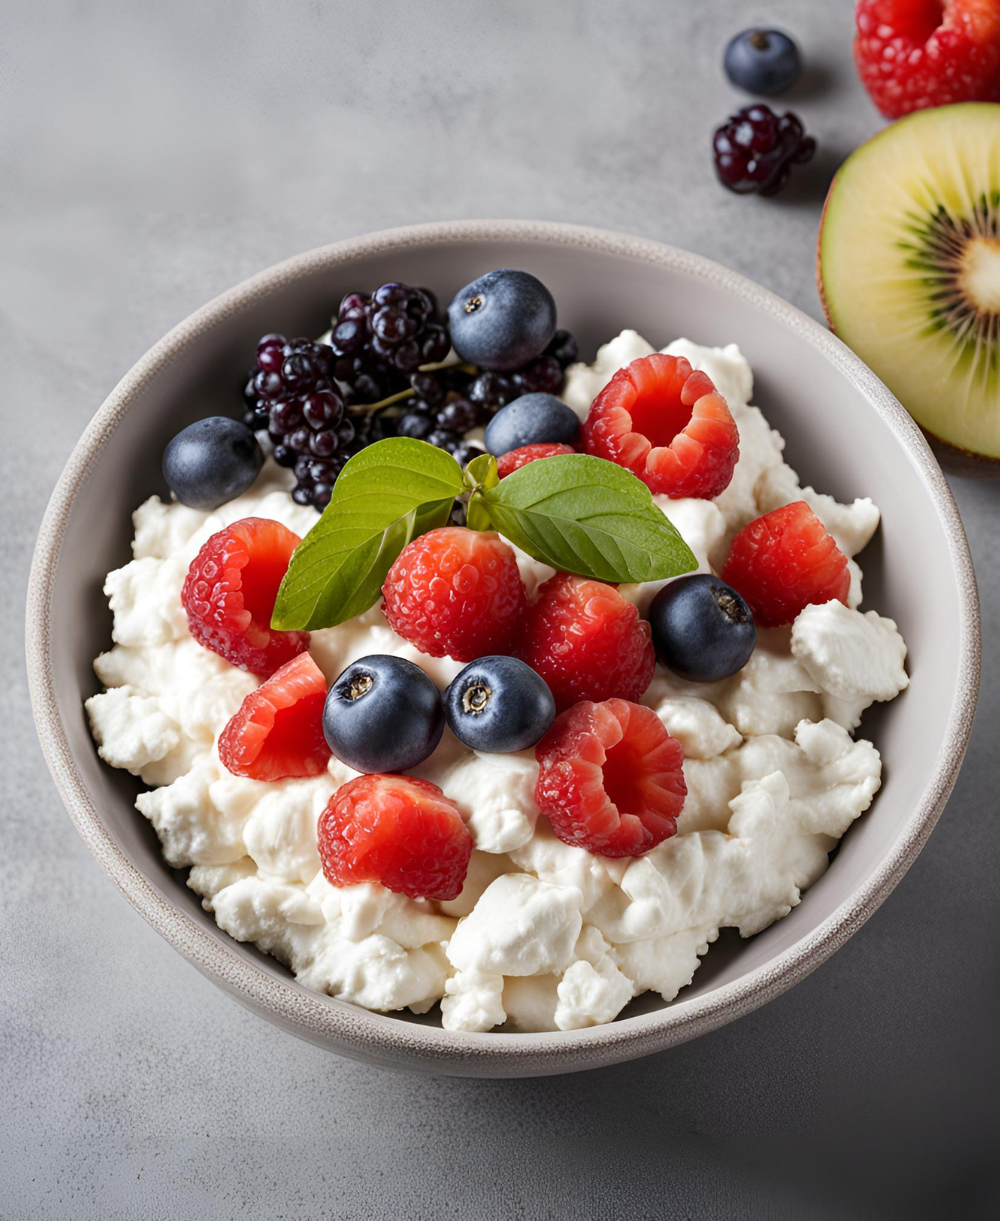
(385, 497)
(575, 512)
(585, 515)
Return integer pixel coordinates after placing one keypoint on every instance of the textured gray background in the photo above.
(154, 154)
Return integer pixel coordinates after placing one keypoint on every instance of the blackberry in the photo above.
(493, 390)
(410, 424)
(315, 445)
(459, 415)
(564, 348)
(755, 149)
(542, 375)
(444, 438)
(367, 380)
(374, 427)
(429, 387)
(315, 479)
(457, 378)
(382, 339)
(292, 393)
(285, 370)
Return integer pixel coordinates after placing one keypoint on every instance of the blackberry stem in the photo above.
(444, 364)
(368, 408)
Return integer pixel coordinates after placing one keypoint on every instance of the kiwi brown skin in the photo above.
(962, 462)
(952, 458)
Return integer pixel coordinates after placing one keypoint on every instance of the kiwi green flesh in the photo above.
(909, 272)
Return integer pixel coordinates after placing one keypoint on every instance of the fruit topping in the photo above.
(755, 150)
(278, 730)
(784, 562)
(502, 320)
(457, 592)
(286, 369)
(544, 374)
(532, 419)
(909, 269)
(229, 594)
(294, 396)
(397, 831)
(514, 459)
(498, 704)
(762, 61)
(383, 714)
(564, 348)
(458, 415)
(912, 54)
(702, 629)
(668, 425)
(610, 778)
(586, 641)
(380, 339)
(413, 424)
(212, 462)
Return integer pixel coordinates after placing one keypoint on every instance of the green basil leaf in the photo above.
(586, 515)
(385, 497)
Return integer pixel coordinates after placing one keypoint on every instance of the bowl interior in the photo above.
(817, 399)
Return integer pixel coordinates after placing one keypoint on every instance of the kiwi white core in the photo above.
(979, 274)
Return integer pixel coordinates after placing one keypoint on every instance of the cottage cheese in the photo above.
(544, 936)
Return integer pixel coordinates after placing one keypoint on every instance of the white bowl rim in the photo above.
(354, 1031)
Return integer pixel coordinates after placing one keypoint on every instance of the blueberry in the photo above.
(702, 628)
(211, 462)
(499, 704)
(762, 61)
(383, 714)
(502, 320)
(530, 420)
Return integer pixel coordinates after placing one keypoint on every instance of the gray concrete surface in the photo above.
(153, 155)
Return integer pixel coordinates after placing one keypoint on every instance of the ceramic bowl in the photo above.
(846, 434)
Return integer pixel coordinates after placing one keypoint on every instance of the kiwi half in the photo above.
(909, 272)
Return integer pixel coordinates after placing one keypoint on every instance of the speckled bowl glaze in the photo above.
(846, 434)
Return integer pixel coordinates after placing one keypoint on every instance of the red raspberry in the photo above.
(456, 592)
(784, 561)
(278, 730)
(912, 54)
(610, 778)
(398, 831)
(666, 424)
(229, 595)
(514, 459)
(587, 641)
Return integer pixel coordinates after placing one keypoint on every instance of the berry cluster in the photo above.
(293, 394)
(448, 403)
(441, 412)
(381, 375)
(542, 375)
(379, 340)
(755, 150)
